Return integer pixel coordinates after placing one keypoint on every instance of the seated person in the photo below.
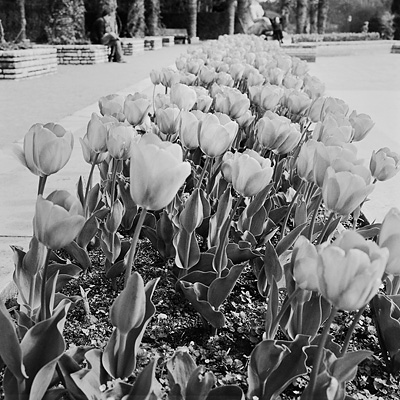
(261, 24)
(277, 28)
(105, 31)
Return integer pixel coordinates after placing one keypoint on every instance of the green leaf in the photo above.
(369, 231)
(88, 232)
(165, 233)
(93, 198)
(272, 310)
(187, 249)
(220, 289)
(146, 386)
(192, 214)
(300, 215)
(241, 252)
(79, 254)
(180, 367)
(194, 293)
(128, 309)
(199, 384)
(272, 266)
(10, 350)
(289, 239)
(344, 369)
(79, 190)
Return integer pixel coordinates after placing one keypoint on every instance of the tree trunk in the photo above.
(192, 8)
(152, 16)
(285, 12)
(244, 16)
(2, 38)
(231, 16)
(22, 33)
(135, 22)
(322, 15)
(313, 16)
(301, 11)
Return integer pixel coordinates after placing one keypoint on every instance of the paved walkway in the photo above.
(367, 80)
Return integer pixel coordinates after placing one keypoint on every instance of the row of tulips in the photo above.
(240, 160)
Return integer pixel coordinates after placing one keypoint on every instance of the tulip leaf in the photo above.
(312, 315)
(220, 289)
(80, 191)
(205, 262)
(187, 249)
(88, 232)
(192, 214)
(35, 257)
(180, 367)
(327, 388)
(93, 199)
(272, 310)
(146, 385)
(344, 369)
(240, 252)
(128, 309)
(79, 254)
(165, 233)
(262, 281)
(228, 392)
(331, 228)
(10, 350)
(264, 359)
(369, 231)
(196, 294)
(289, 239)
(272, 265)
(258, 201)
(220, 260)
(199, 384)
(206, 278)
(300, 215)
(278, 214)
(218, 219)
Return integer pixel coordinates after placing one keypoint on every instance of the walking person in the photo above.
(277, 30)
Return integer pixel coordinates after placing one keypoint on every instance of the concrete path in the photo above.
(368, 81)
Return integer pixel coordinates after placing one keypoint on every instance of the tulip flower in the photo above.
(389, 237)
(277, 134)
(169, 77)
(333, 130)
(344, 191)
(113, 105)
(193, 66)
(223, 78)
(136, 108)
(305, 264)
(245, 120)
(206, 75)
(119, 141)
(313, 87)
(323, 105)
(232, 102)
(162, 101)
(299, 67)
(236, 70)
(216, 134)
(203, 103)
(296, 102)
(183, 96)
(156, 172)
(188, 131)
(46, 149)
(168, 120)
(362, 124)
(275, 76)
(270, 96)
(255, 78)
(384, 164)
(292, 82)
(155, 77)
(187, 78)
(305, 160)
(57, 219)
(89, 155)
(249, 172)
(350, 271)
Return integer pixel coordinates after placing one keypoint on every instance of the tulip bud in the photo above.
(206, 75)
(155, 77)
(113, 105)
(156, 172)
(389, 237)
(384, 164)
(188, 132)
(270, 96)
(89, 155)
(183, 96)
(344, 191)
(251, 173)
(350, 271)
(168, 120)
(362, 124)
(305, 264)
(47, 148)
(56, 222)
(136, 108)
(216, 134)
(169, 77)
(119, 141)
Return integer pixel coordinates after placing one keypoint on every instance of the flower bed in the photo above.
(26, 63)
(244, 180)
(334, 37)
(82, 54)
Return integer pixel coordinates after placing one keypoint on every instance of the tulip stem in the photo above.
(314, 217)
(90, 178)
(320, 352)
(350, 331)
(283, 310)
(290, 209)
(132, 250)
(326, 226)
(203, 172)
(43, 306)
(41, 185)
(113, 178)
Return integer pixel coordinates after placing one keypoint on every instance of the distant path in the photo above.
(53, 97)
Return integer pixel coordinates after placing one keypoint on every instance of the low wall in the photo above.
(132, 46)
(82, 54)
(153, 42)
(26, 63)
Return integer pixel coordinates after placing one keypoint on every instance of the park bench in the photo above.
(180, 35)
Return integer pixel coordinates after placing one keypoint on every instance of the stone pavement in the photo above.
(365, 79)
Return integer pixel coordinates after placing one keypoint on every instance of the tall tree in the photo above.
(301, 21)
(313, 16)
(285, 12)
(243, 12)
(396, 20)
(192, 9)
(22, 33)
(152, 12)
(135, 21)
(231, 16)
(323, 6)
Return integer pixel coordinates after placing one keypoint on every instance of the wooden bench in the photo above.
(180, 35)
